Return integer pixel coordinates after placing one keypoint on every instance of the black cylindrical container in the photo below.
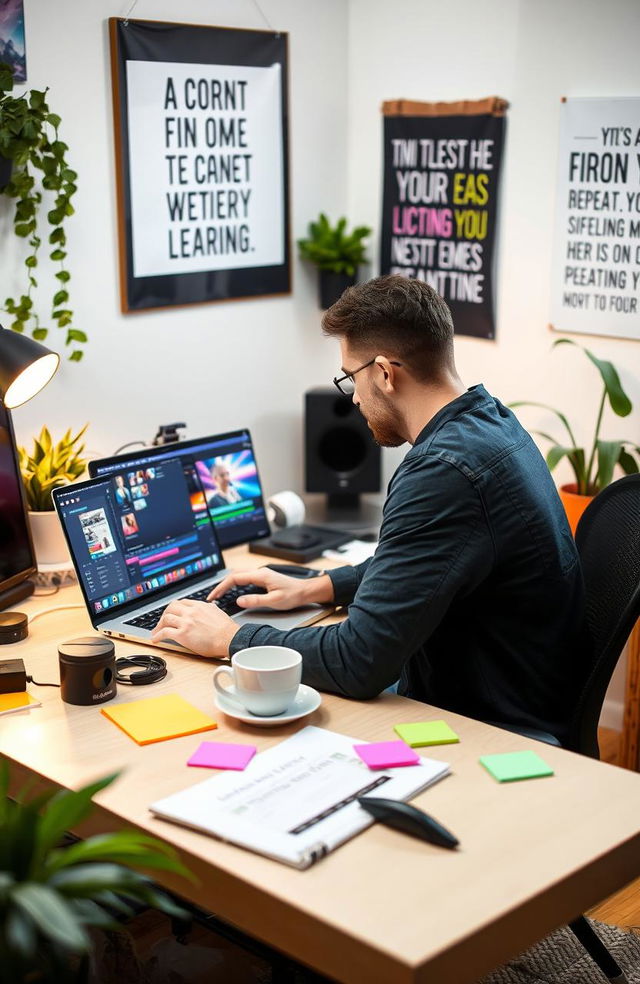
(87, 670)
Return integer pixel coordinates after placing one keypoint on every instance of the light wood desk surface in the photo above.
(384, 907)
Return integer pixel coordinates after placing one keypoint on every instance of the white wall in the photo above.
(216, 366)
(241, 363)
(531, 52)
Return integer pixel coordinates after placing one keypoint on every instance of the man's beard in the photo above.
(384, 422)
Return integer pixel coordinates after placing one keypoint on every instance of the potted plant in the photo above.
(51, 894)
(337, 254)
(33, 160)
(47, 467)
(593, 466)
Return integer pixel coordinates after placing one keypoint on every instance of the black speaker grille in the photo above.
(340, 453)
(342, 450)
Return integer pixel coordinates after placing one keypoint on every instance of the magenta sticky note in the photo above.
(386, 754)
(222, 755)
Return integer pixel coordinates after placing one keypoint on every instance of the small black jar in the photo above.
(87, 670)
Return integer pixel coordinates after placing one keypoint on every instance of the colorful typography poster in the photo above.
(201, 150)
(595, 280)
(441, 177)
(12, 47)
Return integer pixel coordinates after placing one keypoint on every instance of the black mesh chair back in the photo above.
(608, 541)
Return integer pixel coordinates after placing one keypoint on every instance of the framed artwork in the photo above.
(595, 276)
(12, 46)
(442, 164)
(201, 140)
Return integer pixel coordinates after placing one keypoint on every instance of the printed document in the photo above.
(296, 801)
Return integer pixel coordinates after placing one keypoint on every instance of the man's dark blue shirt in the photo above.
(474, 597)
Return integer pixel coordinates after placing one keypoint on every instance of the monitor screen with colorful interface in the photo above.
(225, 479)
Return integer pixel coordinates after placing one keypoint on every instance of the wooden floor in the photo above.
(623, 908)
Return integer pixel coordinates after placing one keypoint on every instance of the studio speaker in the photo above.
(341, 457)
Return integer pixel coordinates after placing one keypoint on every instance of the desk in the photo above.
(383, 908)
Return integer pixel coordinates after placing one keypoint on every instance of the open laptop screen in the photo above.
(137, 533)
(224, 466)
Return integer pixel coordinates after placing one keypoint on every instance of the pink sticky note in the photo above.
(386, 754)
(222, 755)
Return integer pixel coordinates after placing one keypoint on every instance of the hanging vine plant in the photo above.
(37, 162)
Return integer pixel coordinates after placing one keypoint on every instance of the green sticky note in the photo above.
(510, 766)
(426, 733)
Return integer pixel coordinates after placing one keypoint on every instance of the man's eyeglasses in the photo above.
(346, 384)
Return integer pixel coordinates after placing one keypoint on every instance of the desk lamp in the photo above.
(25, 367)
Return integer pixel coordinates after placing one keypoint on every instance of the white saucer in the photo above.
(307, 700)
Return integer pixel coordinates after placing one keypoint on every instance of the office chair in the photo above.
(608, 542)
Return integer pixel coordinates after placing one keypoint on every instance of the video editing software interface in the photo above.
(223, 473)
(138, 531)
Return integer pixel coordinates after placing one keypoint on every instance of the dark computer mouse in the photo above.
(409, 819)
(293, 570)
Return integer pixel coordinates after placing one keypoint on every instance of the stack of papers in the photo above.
(353, 552)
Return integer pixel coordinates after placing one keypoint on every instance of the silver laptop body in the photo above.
(132, 560)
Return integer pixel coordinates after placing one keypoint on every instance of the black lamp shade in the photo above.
(25, 367)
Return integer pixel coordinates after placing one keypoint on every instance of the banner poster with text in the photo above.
(595, 280)
(441, 179)
(201, 126)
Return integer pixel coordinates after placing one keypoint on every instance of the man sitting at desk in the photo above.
(474, 596)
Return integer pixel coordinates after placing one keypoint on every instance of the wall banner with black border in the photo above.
(441, 178)
(201, 124)
(595, 278)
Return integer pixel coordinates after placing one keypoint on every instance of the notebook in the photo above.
(144, 537)
(297, 801)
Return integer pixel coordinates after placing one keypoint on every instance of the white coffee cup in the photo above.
(265, 679)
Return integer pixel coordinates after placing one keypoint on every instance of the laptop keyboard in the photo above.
(227, 602)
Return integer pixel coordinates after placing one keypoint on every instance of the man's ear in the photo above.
(386, 376)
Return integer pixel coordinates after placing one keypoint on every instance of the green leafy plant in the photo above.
(332, 248)
(593, 467)
(29, 139)
(51, 894)
(50, 465)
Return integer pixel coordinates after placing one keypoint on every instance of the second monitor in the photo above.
(222, 473)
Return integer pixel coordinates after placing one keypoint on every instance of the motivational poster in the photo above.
(12, 47)
(441, 179)
(201, 129)
(595, 281)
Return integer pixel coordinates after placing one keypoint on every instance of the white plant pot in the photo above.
(48, 539)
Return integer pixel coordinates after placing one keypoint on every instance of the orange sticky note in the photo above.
(17, 702)
(159, 718)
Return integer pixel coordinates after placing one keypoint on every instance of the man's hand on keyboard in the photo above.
(283, 592)
(198, 626)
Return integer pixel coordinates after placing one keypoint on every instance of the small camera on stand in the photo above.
(168, 434)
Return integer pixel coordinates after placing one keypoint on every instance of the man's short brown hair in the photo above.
(398, 317)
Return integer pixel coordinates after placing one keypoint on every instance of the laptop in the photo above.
(225, 467)
(142, 538)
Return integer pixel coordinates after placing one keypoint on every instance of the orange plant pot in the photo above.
(574, 504)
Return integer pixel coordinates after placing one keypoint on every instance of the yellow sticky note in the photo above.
(159, 718)
(422, 733)
(17, 702)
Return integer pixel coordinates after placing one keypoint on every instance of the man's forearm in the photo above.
(319, 590)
